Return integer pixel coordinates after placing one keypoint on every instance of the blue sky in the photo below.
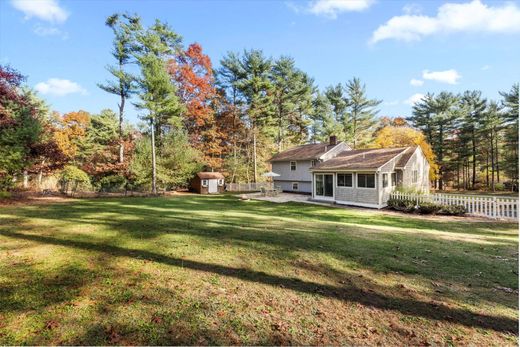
(400, 49)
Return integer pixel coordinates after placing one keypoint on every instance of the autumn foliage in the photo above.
(193, 73)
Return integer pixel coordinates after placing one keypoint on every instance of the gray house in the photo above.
(294, 165)
(364, 177)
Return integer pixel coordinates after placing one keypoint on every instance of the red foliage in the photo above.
(193, 73)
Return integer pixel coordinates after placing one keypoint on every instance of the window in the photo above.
(221, 182)
(204, 183)
(344, 180)
(319, 185)
(293, 166)
(295, 186)
(394, 179)
(313, 163)
(385, 180)
(366, 181)
(414, 176)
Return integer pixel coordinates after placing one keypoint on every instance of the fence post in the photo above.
(494, 207)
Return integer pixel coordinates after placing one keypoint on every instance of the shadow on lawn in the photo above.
(349, 293)
(284, 230)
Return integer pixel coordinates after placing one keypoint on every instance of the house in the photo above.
(366, 177)
(294, 165)
(208, 183)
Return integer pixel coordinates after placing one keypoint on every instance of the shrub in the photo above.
(404, 205)
(4, 194)
(112, 183)
(452, 210)
(73, 178)
(500, 187)
(428, 208)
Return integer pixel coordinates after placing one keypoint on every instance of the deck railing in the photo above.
(476, 205)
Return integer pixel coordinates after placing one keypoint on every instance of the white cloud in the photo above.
(448, 76)
(412, 100)
(59, 87)
(485, 67)
(391, 103)
(331, 8)
(47, 10)
(41, 30)
(416, 83)
(474, 17)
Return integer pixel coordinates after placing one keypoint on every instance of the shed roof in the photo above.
(303, 152)
(370, 159)
(210, 175)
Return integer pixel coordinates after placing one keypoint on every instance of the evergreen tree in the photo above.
(510, 121)
(361, 115)
(123, 85)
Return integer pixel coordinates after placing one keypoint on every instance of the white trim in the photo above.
(297, 186)
(362, 173)
(360, 204)
(322, 197)
(347, 148)
(202, 182)
(295, 165)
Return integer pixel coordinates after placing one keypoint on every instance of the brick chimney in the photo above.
(332, 140)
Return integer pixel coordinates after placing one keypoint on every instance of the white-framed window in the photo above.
(220, 182)
(205, 183)
(415, 175)
(293, 166)
(344, 180)
(385, 180)
(295, 186)
(366, 180)
(394, 179)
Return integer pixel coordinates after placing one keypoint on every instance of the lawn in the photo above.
(218, 270)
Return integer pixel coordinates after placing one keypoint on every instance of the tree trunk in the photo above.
(496, 158)
(25, 179)
(474, 153)
(441, 156)
(254, 155)
(121, 143)
(154, 178)
(492, 164)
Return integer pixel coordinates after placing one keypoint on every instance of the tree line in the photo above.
(233, 118)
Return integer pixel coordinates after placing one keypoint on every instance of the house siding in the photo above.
(417, 162)
(354, 194)
(302, 175)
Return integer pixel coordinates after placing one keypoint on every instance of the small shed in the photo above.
(208, 183)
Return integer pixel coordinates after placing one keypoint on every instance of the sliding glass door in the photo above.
(324, 185)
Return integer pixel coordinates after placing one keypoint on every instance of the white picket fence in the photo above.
(477, 205)
(247, 187)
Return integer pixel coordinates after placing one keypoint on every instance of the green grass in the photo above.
(218, 270)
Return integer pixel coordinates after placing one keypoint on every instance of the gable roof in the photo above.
(210, 175)
(406, 156)
(370, 159)
(304, 152)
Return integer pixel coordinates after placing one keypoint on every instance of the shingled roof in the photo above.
(406, 156)
(210, 175)
(358, 159)
(303, 152)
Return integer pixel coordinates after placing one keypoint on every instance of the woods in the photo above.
(232, 117)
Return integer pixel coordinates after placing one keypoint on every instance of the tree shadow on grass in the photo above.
(348, 293)
(248, 226)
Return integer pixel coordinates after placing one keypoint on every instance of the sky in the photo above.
(400, 49)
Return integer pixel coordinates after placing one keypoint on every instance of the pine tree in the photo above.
(124, 84)
(510, 121)
(360, 115)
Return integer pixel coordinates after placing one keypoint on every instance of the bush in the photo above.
(73, 178)
(404, 205)
(112, 183)
(428, 208)
(4, 194)
(452, 210)
(500, 187)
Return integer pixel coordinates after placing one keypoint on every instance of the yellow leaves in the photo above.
(72, 127)
(401, 136)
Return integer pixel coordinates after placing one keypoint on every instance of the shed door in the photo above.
(212, 186)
